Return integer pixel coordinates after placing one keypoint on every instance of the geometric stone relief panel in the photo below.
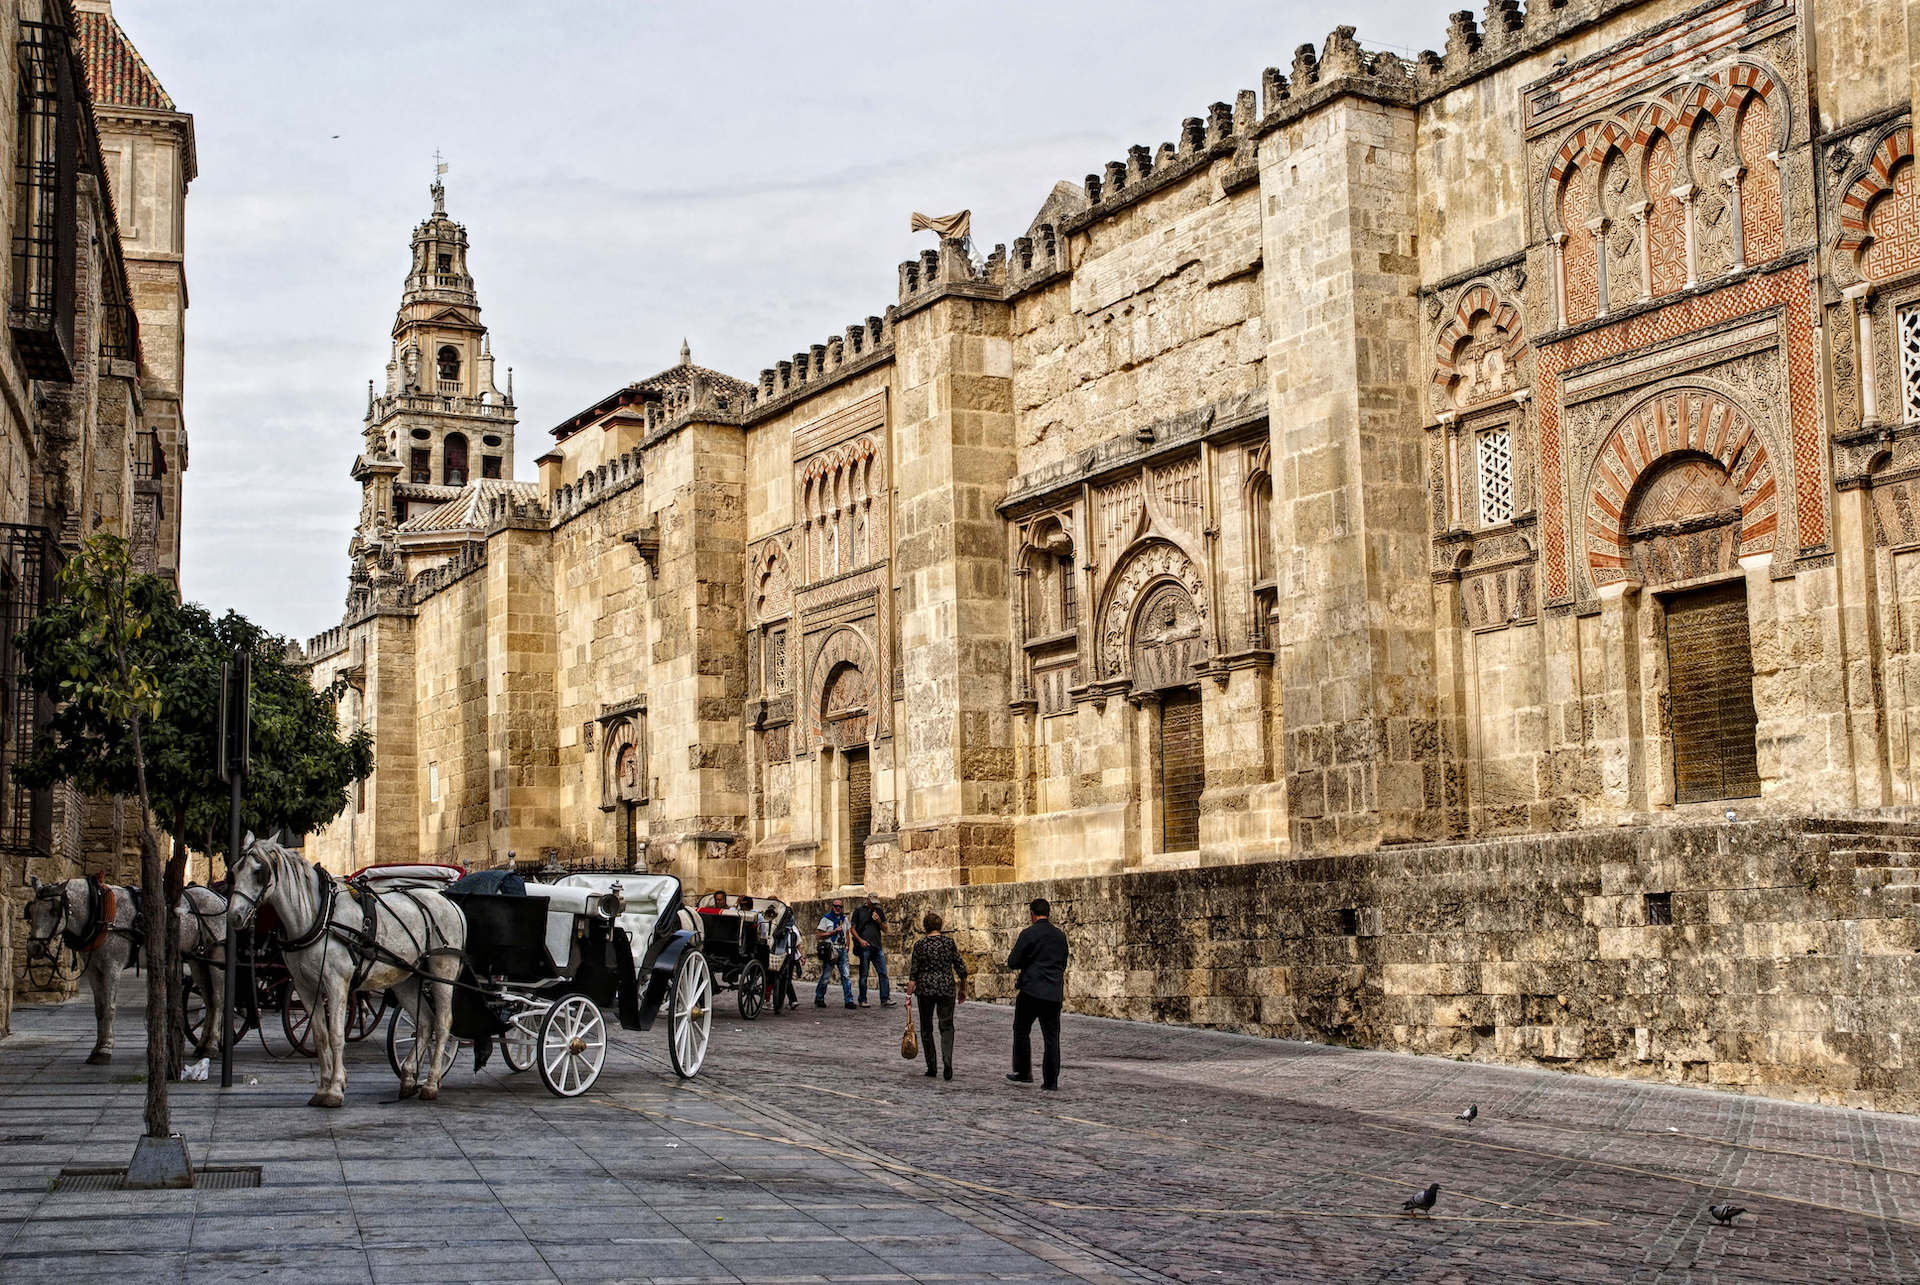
(1907, 341)
(1477, 351)
(1497, 598)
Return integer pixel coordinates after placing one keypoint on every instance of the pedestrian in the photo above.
(831, 937)
(869, 925)
(938, 979)
(1041, 956)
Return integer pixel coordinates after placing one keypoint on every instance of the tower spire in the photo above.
(686, 354)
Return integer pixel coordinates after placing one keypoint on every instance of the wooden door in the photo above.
(1710, 688)
(1182, 769)
(859, 814)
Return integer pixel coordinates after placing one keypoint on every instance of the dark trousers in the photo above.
(1025, 1009)
(875, 957)
(932, 1006)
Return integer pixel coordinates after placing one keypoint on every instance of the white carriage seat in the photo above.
(646, 896)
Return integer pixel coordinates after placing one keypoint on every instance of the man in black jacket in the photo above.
(1041, 956)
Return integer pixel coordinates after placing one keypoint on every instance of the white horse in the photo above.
(343, 939)
(95, 920)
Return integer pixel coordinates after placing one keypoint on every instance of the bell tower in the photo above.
(441, 424)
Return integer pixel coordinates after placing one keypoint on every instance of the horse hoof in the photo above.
(97, 1058)
(428, 1094)
(326, 1100)
(408, 1090)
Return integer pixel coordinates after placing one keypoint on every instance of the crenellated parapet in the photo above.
(328, 642)
(618, 475)
(864, 344)
(469, 558)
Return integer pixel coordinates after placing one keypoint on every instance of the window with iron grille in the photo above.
(46, 151)
(28, 561)
(1907, 335)
(1495, 451)
(1069, 609)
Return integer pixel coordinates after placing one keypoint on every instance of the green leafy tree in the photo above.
(302, 767)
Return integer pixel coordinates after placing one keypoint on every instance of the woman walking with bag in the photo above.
(937, 978)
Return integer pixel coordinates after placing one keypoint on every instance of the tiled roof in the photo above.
(467, 511)
(116, 73)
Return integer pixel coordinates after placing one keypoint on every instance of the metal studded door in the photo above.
(1710, 688)
(859, 814)
(1182, 770)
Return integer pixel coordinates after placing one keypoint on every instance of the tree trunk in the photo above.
(159, 920)
(176, 881)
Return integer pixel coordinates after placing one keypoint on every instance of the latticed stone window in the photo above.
(1495, 458)
(1907, 333)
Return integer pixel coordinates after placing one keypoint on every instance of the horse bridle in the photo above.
(92, 933)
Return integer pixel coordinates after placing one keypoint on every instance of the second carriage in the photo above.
(544, 967)
(750, 944)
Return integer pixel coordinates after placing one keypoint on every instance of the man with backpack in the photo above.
(831, 945)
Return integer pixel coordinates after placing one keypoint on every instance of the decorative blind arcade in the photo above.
(1907, 332)
(1495, 448)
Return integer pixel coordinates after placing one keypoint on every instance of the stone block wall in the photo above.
(1769, 957)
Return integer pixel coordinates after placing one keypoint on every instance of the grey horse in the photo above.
(201, 922)
(417, 936)
(97, 922)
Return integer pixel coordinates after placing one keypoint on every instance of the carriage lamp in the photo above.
(612, 904)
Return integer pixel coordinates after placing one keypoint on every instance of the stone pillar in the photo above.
(523, 772)
(696, 501)
(392, 821)
(1856, 565)
(1362, 754)
(953, 433)
(1619, 720)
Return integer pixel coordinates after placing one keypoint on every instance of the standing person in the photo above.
(1041, 956)
(937, 978)
(832, 938)
(869, 923)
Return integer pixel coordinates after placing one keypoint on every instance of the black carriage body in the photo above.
(507, 950)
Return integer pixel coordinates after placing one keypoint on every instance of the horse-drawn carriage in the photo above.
(541, 967)
(748, 941)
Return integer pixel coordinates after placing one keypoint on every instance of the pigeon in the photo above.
(1424, 1201)
(1725, 1214)
(1469, 1115)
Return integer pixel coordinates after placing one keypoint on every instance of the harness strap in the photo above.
(322, 917)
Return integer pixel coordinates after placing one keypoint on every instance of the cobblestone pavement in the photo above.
(808, 1150)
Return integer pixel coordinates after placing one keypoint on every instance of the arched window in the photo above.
(454, 470)
(450, 363)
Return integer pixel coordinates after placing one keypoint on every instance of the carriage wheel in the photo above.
(400, 1036)
(572, 1047)
(368, 1008)
(198, 1012)
(296, 1021)
(753, 990)
(690, 1017)
(520, 1042)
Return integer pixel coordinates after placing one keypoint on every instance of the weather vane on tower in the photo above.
(439, 190)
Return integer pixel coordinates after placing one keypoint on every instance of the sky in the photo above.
(630, 174)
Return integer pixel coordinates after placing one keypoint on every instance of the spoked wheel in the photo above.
(400, 1038)
(690, 1014)
(573, 1046)
(520, 1042)
(296, 1021)
(753, 990)
(368, 1008)
(203, 1033)
(197, 1013)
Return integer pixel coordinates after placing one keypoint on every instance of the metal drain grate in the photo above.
(214, 1178)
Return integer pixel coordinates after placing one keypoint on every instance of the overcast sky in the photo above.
(629, 174)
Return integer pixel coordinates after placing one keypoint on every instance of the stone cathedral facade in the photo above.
(1520, 440)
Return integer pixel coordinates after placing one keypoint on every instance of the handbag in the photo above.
(909, 1042)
